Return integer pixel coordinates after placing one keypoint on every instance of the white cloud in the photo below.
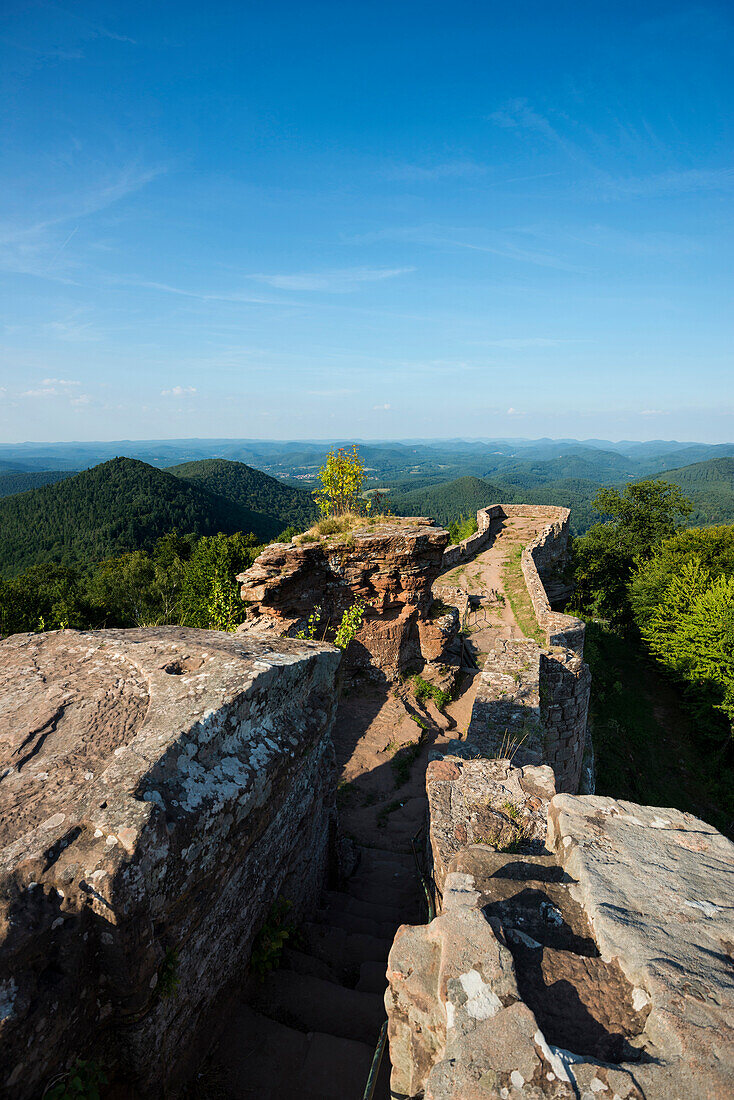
(514, 412)
(336, 281)
(45, 391)
(380, 407)
(59, 382)
(178, 391)
(82, 399)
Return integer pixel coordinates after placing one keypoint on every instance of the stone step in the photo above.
(372, 978)
(352, 922)
(379, 911)
(258, 1058)
(378, 857)
(399, 891)
(303, 963)
(343, 951)
(311, 1004)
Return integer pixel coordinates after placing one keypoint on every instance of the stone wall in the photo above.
(487, 525)
(532, 700)
(160, 790)
(390, 567)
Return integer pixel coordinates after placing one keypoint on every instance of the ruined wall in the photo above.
(487, 525)
(388, 566)
(557, 970)
(532, 699)
(160, 789)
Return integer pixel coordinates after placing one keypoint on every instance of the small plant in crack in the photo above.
(270, 941)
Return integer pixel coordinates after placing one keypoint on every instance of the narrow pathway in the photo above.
(491, 615)
(308, 1031)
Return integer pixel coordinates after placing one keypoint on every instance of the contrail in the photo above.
(61, 249)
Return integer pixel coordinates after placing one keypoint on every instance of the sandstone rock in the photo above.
(486, 802)
(159, 790)
(599, 969)
(389, 566)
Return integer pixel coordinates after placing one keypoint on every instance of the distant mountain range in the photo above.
(125, 504)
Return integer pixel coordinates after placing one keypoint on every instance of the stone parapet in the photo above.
(568, 973)
(487, 525)
(160, 789)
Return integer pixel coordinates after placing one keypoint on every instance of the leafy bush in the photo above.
(271, 939)
(82, 1082)
(341, 479)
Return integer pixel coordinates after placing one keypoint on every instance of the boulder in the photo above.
(160, 790)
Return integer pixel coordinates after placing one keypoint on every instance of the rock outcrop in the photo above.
(389, 567)
(598, 967)
(161, 789)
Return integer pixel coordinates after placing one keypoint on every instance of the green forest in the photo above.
(658, 597)
(126, 505)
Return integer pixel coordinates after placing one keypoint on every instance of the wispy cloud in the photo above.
(179, 391)
(338, 281)
(42, 391)
(517, 114)
(675, 182)
(496, 243)
(381, 408)
(60, 382)
(420, 173)
(33, 247)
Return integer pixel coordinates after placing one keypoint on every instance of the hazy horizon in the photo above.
(346, 440)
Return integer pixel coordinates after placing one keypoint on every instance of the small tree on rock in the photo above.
(341, 479)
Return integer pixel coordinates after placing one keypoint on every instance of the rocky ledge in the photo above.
(597, 967)
(159, 790)
(389, 567)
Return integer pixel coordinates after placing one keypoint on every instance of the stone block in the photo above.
(160, 789)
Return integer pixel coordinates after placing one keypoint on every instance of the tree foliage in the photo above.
(342, 479)
(691, 631)
(637, 519)
(185, 580)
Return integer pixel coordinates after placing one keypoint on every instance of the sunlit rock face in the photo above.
(389, 567)
(159, 790)
(598, 965)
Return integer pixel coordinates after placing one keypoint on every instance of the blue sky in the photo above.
(380, 219)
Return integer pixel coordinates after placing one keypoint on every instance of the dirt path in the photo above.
(378, 730)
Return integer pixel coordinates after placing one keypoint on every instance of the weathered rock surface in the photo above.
(486, 802)
(600, 968)
(390, 567)
(159, 789)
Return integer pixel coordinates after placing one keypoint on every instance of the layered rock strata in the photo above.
(599, 967)
(389, 567)
(160, 790)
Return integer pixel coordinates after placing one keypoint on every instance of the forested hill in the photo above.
(710, 487)
(446, 502)
(12, 483)
(252, 489)
(118, 506)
